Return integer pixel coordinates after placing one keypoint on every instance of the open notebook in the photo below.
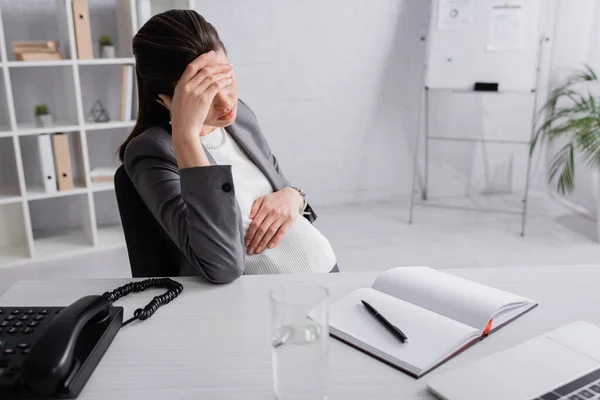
(440, 314)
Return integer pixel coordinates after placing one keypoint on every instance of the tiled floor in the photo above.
(377, 237)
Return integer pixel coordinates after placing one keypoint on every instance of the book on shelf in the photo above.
(47, 163)
(38, 56)
(103, 174)
(41, 50)
(441, 314)
(83, 30)
(38, 46)
(50, 44)
(126, 92)
(62, 161)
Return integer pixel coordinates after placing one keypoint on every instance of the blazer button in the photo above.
(226, 187)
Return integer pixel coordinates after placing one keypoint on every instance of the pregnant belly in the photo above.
(303, 249)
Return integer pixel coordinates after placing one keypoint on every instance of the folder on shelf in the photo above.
(62, 161)
(125, 29)
(83, 30)
(126, 92)
(47, 163)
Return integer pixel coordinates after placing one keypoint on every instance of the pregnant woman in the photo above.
(201, 164)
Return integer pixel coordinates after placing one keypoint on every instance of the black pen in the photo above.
(389, 326)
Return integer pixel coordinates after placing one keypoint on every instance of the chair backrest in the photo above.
(151, 252)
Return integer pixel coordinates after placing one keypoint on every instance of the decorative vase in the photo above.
(43, 121)
(107, 51)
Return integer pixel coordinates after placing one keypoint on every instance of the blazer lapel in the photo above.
(245, 141)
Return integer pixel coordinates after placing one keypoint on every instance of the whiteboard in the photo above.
(473, 46)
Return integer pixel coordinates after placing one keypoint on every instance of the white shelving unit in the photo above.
(36, 225)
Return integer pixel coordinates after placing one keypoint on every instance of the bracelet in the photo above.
(304, 198)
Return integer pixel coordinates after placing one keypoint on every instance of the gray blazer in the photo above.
(197, 206)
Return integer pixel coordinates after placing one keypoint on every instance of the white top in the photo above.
(302, 249)
(213, 342)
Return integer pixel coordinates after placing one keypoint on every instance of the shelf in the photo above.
(95, 126)
(29, 128)
(5, 131)
(102, 186)
(59, 243)
(107, 61)
(38, 193)
(110, 236)
(13, 254)
(9, 195)
(108, 221)
(35, 225)
(46, 63)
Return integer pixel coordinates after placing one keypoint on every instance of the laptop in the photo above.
(563, 364)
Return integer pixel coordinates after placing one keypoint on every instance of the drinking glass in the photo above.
(299, 314)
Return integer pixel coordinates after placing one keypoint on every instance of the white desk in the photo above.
(212, 342)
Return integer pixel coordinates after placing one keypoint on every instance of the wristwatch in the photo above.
(304, 197)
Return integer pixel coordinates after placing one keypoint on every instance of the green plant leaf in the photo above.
(572, 117)
(563, 165)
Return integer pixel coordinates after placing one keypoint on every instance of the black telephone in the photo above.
(50, 352)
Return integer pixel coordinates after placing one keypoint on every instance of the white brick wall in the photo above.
(336, 86)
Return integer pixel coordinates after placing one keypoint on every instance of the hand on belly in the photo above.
(272, 216)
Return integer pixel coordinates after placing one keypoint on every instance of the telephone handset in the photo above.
(50, 352)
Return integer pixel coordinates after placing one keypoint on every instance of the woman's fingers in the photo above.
(253, 228)
(255, 207)
(216, 87)
(280, 234)
(212, 80)
(205, 73)
(265, 233)
(192, 69)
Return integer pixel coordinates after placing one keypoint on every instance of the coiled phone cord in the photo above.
(173, 290)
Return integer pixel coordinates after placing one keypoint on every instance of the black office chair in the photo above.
(151, 252)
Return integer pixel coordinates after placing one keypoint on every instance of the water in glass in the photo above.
(300, 361)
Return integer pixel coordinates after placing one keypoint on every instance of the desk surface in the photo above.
(212, 342)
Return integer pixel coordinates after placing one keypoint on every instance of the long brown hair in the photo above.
(163, 48)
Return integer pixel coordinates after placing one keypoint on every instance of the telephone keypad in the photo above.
(19, 330)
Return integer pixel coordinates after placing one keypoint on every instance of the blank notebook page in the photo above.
(457, 298)
(432, 337)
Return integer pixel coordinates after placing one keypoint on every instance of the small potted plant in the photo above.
(43, 118)
(107, 49)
